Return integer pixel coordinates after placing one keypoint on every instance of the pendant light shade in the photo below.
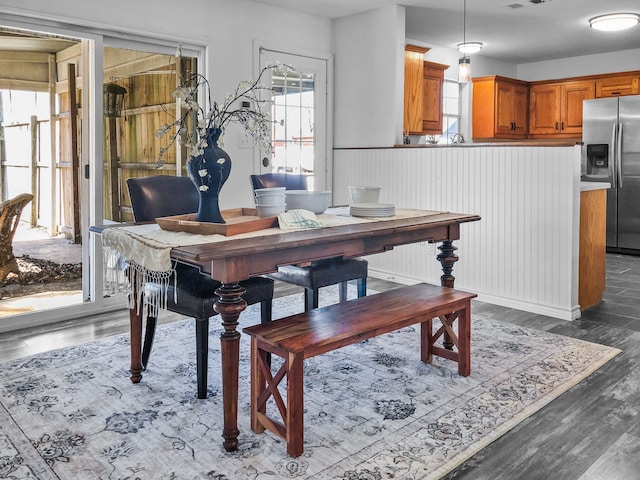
(614, 22)
(464, 70)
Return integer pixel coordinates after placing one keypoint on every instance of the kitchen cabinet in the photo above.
(500, 108)
(617, 85)
(433, 83)
(556, 108)
(593, 235)
(423, 84)
(413, 89)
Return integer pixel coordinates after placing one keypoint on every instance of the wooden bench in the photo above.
(308, 334)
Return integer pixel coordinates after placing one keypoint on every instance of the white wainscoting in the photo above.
(522, 254)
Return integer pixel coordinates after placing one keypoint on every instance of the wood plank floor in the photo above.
(591, 432)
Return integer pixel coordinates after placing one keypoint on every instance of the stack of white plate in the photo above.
(372, 210)
(270, 201)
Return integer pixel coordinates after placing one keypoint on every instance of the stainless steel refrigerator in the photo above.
(611, 153)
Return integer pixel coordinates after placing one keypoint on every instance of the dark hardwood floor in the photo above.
(592, 432)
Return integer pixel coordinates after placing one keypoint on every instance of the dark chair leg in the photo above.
(310, 299)
(265, 317)
(265, 311)
(202, 355)
(149, 333)
(362, 287)
(342, 291)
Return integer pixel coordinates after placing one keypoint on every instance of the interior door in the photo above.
(299, 133)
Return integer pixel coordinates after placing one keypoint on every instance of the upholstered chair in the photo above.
(320, 273)
(161, 196)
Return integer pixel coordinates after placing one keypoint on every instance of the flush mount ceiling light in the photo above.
(613, 22)
(469, 47)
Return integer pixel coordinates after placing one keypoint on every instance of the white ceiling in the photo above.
(534, 32)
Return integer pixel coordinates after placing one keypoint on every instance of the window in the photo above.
(451, 111)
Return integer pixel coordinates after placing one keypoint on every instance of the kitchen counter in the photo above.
(524, 143)
(588, 186)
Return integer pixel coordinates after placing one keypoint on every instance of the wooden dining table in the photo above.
(236, 259)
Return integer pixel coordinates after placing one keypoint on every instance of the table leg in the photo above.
(229, 305)
(135, 332)
(447, 258)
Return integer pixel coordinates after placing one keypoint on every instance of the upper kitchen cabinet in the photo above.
(433, 82)
(423, 83)
(500, 108)
(556, 108)
(617, 85)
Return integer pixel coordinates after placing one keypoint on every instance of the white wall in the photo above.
(227, 27)
(578, 66)
(522, 254)
(369, 78)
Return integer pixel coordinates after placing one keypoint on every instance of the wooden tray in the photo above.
(239, 220)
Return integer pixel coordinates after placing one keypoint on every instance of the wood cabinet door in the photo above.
(505, 103)
(616, 86)
(544, 109)
(572, 95)
(520, 110)
(413, 92)
(432, 105)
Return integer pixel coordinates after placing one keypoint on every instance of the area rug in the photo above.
(372, 411)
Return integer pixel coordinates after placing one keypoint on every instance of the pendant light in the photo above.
(466, 48)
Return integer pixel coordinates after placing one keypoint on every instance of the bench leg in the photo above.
(265, 386)
(462, 340)
(294, 422)
(426, 341)
(258, 384)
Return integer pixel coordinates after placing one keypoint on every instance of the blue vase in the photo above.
(208, 172)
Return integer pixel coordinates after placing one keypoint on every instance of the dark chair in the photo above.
(320, 273)
(161, 196)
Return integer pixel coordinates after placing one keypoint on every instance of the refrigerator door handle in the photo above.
(612, 157)
(619, 155)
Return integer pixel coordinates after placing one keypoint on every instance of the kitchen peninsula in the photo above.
(525, 252)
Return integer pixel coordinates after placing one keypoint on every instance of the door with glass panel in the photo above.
(299, 112)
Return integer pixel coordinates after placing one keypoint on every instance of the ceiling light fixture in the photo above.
(469, 47)
(614, 22)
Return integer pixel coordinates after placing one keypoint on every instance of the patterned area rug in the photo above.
(372, 411)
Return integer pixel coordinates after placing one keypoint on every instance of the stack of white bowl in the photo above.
(270, 201)
(364, 194)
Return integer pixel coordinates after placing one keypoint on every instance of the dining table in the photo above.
(232, 259)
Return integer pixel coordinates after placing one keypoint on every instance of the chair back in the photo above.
(161, 196)
(10, 211)
(287, 180)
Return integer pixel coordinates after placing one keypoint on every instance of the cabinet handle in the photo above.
(562, 126)
(616, 93)
(556, 125)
